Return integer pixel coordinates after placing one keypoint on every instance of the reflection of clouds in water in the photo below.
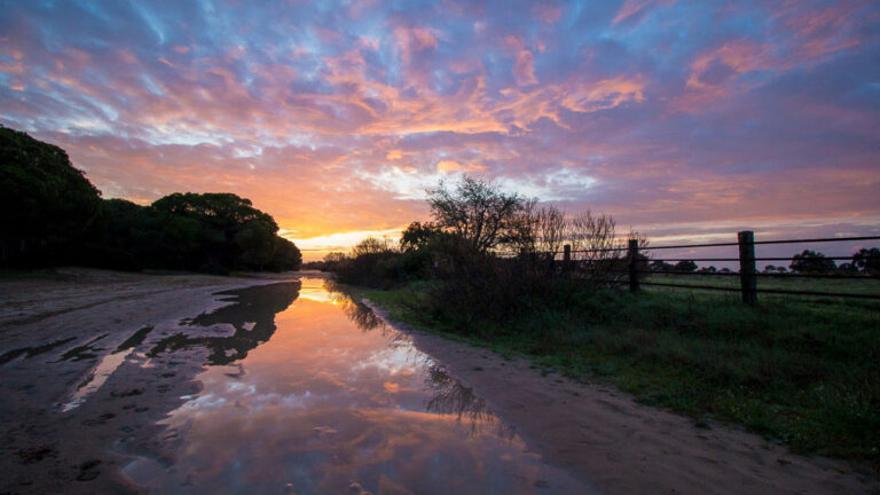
(449, 395)
(313, 290)
(392, 360)
(322, 450)
(246, 398)
(401, 356)
(327, 403)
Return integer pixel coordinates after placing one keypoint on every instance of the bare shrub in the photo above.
(552, 225)
(600, 255)
(372, 245)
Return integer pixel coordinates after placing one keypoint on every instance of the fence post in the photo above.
(566, 257)
(633, 254)
(748, 280)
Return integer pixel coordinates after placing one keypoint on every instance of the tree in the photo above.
(256, 242)
(371, 245)
(418, 235)
(847, 268)
(477, 212)
(811, 262)
(286, 256)
(334, 257)
(536, 229)
(46, 204)
(685, 266)
(51, 213)
(868, 260)
(232, 233)
(661, 266)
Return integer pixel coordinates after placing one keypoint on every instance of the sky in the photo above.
(685, 120)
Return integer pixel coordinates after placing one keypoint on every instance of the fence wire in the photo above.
(638, 273)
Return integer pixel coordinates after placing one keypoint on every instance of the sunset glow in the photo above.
(685, 120)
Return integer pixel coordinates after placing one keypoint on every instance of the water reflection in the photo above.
(447, 395)
(29, 352)
(451, 397)
(327, 407)
(252, 318)
(105, 368)
(360, 314)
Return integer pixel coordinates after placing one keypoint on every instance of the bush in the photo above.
(376, 263)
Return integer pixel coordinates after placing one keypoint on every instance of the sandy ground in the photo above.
(625, 447)
(54, 328)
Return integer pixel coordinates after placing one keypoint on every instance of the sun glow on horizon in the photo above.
(315, 248)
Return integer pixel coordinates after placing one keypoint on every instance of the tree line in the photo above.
(488, 254)
(52, 214)
(808, 262)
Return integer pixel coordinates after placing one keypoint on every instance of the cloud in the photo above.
(454, 166)
(524, 62)
(632, 11)
(335, 118)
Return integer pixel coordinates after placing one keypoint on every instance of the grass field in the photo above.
(802, 371)
(866, 285)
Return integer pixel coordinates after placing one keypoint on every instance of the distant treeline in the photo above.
(51, 214)
(866, 261)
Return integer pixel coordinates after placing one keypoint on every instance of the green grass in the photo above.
(866, 285)
(804, 372)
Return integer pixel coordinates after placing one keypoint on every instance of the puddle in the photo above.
(104, 369)
(135, 340)
(85, 351)
(29, 352)
(251, 322)
(319, 396)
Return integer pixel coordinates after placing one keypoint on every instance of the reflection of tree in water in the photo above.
(451, 397)
(361, 314)
(252, 316)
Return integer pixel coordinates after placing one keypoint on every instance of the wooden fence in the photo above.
(747, 261)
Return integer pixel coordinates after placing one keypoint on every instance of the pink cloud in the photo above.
(524, 62)
(818, 33)
(548, 14)
(631, 9)
(767, 115)
(714, 72)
